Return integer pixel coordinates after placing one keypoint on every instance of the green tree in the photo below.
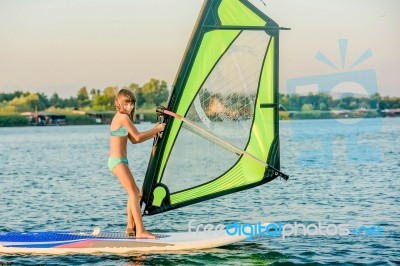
(353, 105)
(344, 102)
(323, 107)
(389, 102)
(161, 93)
(307, 107)
(28, 102)
(105, 101)
(140, 100)
(9, 96)
(56, 101)
(83, 97)
(284, 100)
(374, 101)
(71, 102)
(34, 102)
(293, 106)
(44, 100)
(154, 93)
(92, 93)
(148, 91)
(134, 87)
(110, 93)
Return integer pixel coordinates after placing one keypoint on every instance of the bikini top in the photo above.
(120, 132)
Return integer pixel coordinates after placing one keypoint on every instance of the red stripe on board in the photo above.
(79, 244)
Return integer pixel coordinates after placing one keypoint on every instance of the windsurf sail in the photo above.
(222, 127)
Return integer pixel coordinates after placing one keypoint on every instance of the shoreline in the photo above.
(17, 120)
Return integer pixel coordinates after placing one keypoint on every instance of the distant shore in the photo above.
(16, 120)
(336, 114)
(98, 107)
(67, 118)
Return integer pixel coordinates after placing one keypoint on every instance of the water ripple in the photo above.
(56, 178)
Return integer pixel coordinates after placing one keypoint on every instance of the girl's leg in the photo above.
(130, 222)
(130, 229)
(125, 177)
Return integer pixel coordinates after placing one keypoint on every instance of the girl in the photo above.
(122, 129)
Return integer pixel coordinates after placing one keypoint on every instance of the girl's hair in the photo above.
(125, 96)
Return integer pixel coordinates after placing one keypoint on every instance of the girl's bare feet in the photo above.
(131, 232)
(145, 234)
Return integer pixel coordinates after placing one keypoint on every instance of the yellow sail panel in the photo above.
(226, 91)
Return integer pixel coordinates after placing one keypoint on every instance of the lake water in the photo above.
(341, 172)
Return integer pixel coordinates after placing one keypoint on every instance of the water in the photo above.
(56, 178)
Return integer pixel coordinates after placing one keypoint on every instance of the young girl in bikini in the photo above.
(122, 129)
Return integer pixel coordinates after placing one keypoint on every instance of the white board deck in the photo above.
(59, 243)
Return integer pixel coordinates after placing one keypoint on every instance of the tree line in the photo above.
(325, 102)
(151, 94)
(155, 92)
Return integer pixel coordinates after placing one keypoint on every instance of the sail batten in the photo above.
(223, 135)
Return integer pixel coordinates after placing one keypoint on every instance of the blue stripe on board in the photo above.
(57, 236)
(41, 245)
(42, 237)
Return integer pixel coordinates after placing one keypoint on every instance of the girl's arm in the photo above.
(135, 136)
(134, 141)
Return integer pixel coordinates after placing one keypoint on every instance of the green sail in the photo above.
(227, 84)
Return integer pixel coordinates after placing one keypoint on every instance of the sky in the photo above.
(62, 45)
